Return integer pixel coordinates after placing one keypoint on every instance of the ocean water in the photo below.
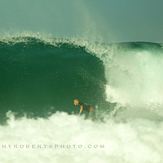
(40, 76)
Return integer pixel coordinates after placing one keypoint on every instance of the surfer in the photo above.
(85, 109)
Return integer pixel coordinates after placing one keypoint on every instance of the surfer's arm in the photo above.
(81, 109)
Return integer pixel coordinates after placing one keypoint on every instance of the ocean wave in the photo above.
(42, 74)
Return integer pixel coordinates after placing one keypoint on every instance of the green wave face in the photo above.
(37, 78)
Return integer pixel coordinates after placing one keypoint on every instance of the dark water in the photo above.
(37, 78)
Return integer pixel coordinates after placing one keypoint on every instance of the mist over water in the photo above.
(130, 133)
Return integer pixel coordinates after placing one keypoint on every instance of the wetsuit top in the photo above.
(86, 107)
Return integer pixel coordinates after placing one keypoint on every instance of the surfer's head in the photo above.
(76, 102)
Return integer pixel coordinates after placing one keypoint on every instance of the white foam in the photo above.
(133, 141)
(136, 79)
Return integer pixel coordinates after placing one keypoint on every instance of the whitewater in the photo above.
(132, 132)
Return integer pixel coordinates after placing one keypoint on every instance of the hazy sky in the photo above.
(111, 20)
